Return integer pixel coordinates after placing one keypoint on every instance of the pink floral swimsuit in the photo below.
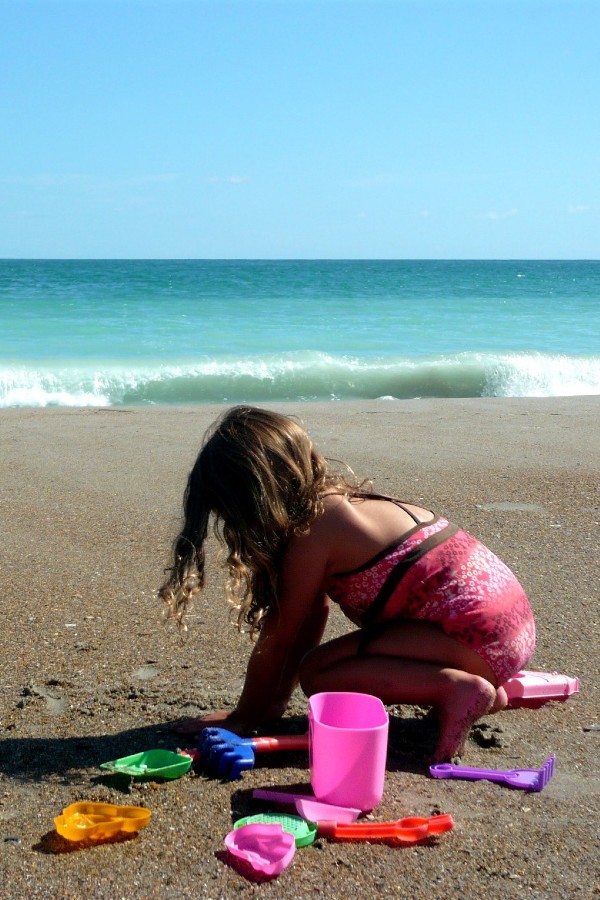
(442, 574)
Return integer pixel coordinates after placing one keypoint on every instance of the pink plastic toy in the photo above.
(308, 807)
(533, 689)
(267, 848)
(348, 748)
(315, 811)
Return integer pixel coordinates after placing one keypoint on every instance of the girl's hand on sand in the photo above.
(221, 718)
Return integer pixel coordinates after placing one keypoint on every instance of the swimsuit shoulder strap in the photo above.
(397, 502)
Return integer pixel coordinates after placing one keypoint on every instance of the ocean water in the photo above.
(143, 332)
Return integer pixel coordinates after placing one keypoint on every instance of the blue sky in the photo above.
(300, 128)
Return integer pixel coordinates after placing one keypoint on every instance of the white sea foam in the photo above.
(303, 376)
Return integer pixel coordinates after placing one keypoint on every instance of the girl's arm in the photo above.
(288, 633)
(272, 671)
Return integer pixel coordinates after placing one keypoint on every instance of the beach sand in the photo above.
(90, 501)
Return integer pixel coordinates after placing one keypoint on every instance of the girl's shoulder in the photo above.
(321, 535)
(374, 505)
(352, 530)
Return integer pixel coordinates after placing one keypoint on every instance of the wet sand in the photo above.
(89, 503)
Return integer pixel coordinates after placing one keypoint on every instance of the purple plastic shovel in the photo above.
(527, 779)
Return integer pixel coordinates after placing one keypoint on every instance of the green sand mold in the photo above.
(304, 832)
(150, 764)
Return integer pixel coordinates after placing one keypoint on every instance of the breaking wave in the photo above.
(300, 376)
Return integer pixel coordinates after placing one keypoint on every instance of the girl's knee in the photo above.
(307, 671)
(483, 690)
(322, 659)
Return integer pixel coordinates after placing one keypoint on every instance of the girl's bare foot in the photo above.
(501, 701)
(468, 699)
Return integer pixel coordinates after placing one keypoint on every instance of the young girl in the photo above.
(442, 621)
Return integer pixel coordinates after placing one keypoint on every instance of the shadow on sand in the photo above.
(37, 759)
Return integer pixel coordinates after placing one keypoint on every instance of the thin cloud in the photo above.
(229, 179)
(76, 179)
(495, 215)
(44, 180)
(374, 181)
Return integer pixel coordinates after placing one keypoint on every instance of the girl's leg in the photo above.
(410, 662)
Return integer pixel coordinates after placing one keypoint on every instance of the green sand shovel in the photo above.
(150, 764)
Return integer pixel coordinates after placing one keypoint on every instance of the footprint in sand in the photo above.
(55, 701)
(144, 673)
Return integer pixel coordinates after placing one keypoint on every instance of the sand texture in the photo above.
(89, 504)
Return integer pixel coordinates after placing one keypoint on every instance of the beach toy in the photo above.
(404, 831)
(314, 811)
(533, 689)
(266, 847)
(227, 755)
(151, 764)
(304, 832)
(527, 779)
(99, 821)
(348, 748)
(308, 807)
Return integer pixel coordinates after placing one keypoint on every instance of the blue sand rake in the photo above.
(227, 755)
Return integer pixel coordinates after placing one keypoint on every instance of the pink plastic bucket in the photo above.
(348, 736)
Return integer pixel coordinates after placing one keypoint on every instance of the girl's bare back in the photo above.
(357, 529)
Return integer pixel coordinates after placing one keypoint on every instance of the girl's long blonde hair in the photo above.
(262, 481)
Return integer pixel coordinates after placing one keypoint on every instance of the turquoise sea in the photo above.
(115, 332)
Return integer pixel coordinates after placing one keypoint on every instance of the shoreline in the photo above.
(90, 501)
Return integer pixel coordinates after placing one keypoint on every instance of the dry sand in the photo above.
(90, 501)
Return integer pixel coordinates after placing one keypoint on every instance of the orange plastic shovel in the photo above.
(404, 831)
